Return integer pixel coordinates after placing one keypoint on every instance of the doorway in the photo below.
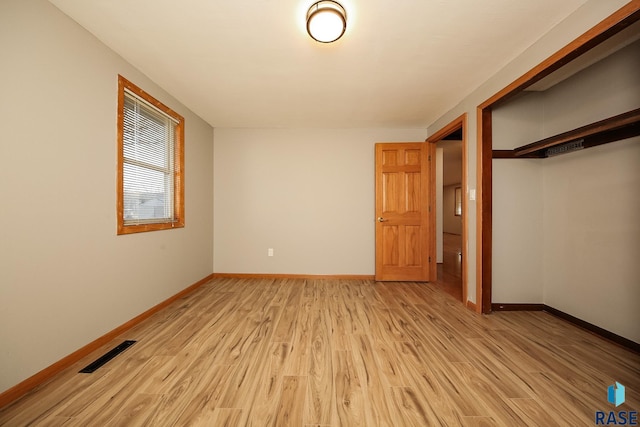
(449, 213)
(451, 247)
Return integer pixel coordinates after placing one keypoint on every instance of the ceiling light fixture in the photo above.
(326, 21)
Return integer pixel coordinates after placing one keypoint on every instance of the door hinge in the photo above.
(429, 259)
(429, 157)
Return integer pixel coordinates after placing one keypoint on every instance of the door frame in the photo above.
(611, 25)
(458, 123)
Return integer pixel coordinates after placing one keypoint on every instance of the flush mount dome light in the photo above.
(326, 21)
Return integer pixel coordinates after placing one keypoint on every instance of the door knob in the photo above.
(380, 219)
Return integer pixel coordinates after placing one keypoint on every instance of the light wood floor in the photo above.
(331, 352)
(450, 270)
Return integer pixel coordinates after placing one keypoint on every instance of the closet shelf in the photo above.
(614, 128)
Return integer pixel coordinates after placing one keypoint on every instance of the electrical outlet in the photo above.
(270, 252)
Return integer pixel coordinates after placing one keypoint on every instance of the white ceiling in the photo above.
(250, 63)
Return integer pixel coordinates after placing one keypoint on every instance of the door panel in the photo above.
(413, 248)
(391, 187)
(389, 157)
(402, 217)
(391, 255)
(412, 185)
(412, 157)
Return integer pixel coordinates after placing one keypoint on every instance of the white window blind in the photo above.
(148, 163)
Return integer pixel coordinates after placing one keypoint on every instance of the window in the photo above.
(457, 207)
(150, 162)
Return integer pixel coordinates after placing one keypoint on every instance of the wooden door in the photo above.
(402, 212)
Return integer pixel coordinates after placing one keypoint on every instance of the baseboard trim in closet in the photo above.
(622, 341)
(597, 330)
(516, 307)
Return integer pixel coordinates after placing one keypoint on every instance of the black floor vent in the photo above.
(106, 357)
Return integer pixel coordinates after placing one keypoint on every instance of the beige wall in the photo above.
(306, 193)
(607, 88)
(553, 240)
(521, 241)
(518, 244)
(591, 201)
(65, 277)
(517, 205)
(576, 24)
(592, 236)
(557, 224)
(451, 223)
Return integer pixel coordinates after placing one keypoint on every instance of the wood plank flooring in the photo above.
(450, 269)
(283, 352)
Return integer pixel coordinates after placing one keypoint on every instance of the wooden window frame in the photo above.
(178, 172)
